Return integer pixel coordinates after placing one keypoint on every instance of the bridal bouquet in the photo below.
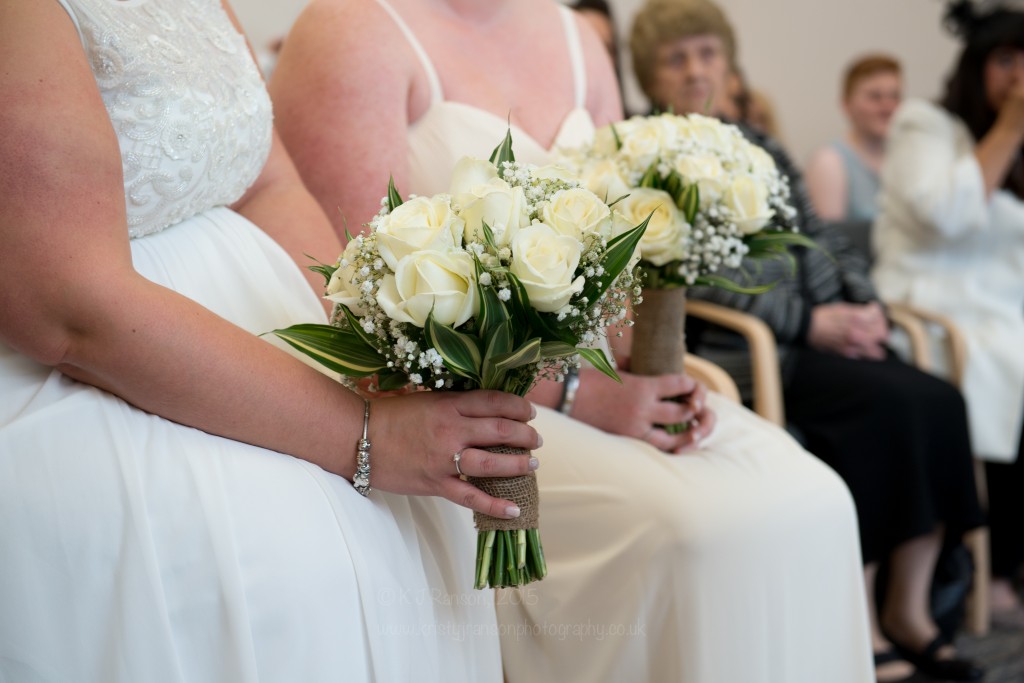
(512, 275)
(714, 199)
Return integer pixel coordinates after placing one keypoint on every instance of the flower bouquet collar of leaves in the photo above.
(512, 276)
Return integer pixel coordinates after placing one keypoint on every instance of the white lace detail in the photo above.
(187, 102)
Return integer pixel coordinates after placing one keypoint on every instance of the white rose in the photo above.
(340, 288)
(420, 223)
(709, 133)
(498, 204)
(577, 212)
(604, 137)
(761, 162)
(555, 172)
(647, 140)
(545, 262)
(664, 239)
(605, 179)
(469, 173)
(747, 198)
(431, 280)
(707, 172)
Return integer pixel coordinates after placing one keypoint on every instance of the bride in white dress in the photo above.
(142, 537)
(735, 561)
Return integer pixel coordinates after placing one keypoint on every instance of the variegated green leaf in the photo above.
(503, 152)
(618, 140)
(556, 349)
(616, 258)
(459, 350)
(489, 237)
(528, 353)
(392, 381)
(499, 343)
(730, 286)
(597, 358)
(651, 177)
(534, 321)
(341, 350)
(353, 322)
(689, 202)
(394, 199)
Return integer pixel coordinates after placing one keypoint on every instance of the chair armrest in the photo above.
(715, 378)
(917, 334)
(764, 356)
(956, 347)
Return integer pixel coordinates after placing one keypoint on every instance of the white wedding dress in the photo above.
(735, 563)
(135, 549)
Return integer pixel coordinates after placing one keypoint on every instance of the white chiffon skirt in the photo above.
(736, 563)
(136, 549)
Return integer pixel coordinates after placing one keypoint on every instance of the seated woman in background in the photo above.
(175, 502)
(951, 238)
(842, 177)
(662, 566)
(896, 435)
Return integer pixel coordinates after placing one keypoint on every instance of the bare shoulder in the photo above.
(825, 160)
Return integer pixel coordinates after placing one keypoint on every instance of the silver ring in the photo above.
(456, 458)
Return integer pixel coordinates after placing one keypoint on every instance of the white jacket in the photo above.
(940, 245)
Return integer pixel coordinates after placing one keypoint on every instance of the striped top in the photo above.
(836, 272)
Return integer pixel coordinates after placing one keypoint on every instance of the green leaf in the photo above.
(460, 351)
(620, 250)
(357, 328)
(392, 380)
(489, 237)
(731, 286)
(325, 269)
(394, 199)
(530, 352)
(533, 321)
(689, 202)
(618, 140)
(556, 349)
(503, 152)
(499, 343)
(617, 200)
(339, 349)
(492, 309)
(651, 177)
(597, 358)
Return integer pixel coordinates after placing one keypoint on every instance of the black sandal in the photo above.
(887, 657)
(943, 669)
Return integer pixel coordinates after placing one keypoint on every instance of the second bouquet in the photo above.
(511, 276)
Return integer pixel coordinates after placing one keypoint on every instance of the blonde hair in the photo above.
(663, 21)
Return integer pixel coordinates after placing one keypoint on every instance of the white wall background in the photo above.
(795, 50)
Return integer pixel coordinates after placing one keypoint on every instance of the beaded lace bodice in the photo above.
(187, 102)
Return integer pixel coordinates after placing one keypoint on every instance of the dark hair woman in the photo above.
(951, 238)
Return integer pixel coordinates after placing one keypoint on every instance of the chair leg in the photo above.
(978, 618)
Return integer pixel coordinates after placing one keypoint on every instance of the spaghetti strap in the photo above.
(579, 72)
(436, 93)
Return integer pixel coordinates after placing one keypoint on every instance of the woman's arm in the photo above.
(73, 300)
(1002, 145)
(348, 138)
(826, 184)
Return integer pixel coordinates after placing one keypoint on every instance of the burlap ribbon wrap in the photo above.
(659, 340)
(520, 490)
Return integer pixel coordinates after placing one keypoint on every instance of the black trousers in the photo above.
(896, 435)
